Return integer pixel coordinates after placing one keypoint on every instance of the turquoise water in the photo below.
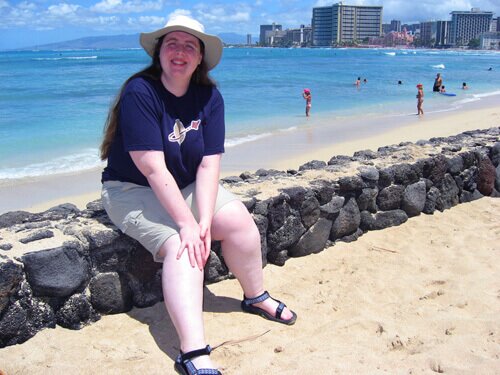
(53, 104)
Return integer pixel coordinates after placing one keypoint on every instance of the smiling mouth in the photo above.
(178, 63)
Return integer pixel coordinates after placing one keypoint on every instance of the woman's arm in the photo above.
(152, 166)
(207, 185)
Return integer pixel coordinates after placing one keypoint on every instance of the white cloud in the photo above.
(180, 12)
(62, 10)
(118, 6)
(145, 23)
(223, 14)
(107, 6)
(103, 21)
(323, 3)
(21, 15)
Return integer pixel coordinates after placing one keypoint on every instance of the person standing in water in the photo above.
(420, 99)
(438, 82)
(308, 97)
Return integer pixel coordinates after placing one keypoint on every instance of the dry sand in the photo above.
(420, 298)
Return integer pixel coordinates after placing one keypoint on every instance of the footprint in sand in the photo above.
(437, 282)
(412, 345)
(432, 295)
(397, 343)
(449, 331)
(436, 366)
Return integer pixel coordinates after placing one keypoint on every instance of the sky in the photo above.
(35, 22)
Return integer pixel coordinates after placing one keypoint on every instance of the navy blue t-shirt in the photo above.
(151, 118)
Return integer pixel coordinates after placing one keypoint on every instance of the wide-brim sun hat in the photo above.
(420, 85)
(213, 44)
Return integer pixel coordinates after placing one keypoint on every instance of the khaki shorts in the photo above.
(136, 211)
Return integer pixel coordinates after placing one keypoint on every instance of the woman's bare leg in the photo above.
(240, 243)
(183, 295)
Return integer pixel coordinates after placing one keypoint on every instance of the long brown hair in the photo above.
(153, 71)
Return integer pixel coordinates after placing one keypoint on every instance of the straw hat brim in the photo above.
(213, 44)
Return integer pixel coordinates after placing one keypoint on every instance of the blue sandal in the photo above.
(246, 306)
(184, 366)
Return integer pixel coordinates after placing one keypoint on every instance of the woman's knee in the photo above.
(171, 245)
(233, 217)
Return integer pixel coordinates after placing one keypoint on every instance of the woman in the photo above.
(420, 99)
(163, 143)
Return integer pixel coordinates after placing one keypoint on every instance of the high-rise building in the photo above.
(396, 25)
(443, 33)
(267, 32)
(412, 28)
(490, 40)
(428, 33)
(339, 23)
(468, 25)
(494, 26)
(299, 37)
(249, 39)
(322, 26)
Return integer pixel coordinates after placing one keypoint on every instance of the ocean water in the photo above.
(53, 104)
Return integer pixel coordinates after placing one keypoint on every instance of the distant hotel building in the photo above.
(299, 37)
(494, 25)
(267, 34)
(442, 33)
(490, 40)
(396, 26)
(428, 31)
(468, 25)
(338, 24)
(412, 28)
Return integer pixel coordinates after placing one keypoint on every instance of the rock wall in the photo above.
(68, 267)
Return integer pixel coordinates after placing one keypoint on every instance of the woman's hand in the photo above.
(152, 166)
(206, 237)
(193, 243)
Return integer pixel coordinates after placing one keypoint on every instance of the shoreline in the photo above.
(282, 150)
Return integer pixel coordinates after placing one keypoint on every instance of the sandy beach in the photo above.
(421, 298)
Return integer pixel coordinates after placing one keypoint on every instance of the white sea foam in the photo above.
(486, 94)
(439, 66)
(390, 53)
(65, 58)
(291, 128)
(85, 160)
(467, 100)
(81, 57)
(247, 138)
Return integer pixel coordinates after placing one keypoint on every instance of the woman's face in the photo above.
(180, 55)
